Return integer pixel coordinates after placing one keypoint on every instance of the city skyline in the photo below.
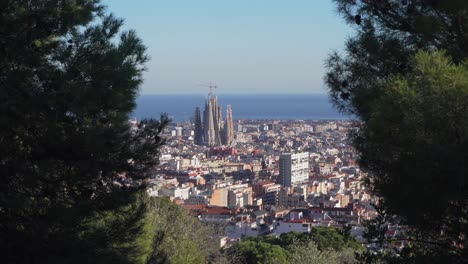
(246, 47)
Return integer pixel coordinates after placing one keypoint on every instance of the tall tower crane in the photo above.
(212, 86)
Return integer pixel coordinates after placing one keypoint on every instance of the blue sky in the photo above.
(254, 46)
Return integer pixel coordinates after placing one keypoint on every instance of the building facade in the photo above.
(293, 168)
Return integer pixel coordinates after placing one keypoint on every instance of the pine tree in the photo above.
(388, 34)
(411, 108)
(68, 81)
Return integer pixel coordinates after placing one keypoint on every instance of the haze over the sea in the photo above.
(181, 107)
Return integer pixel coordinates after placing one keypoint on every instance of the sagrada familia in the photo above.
(210, 131)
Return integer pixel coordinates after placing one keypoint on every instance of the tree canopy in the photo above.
(178, 237)
(323, 237)
(387, 34)
(322, 245)
(68, 81)
(403, 77)
(415, 146)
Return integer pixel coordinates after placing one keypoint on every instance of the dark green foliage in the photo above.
(178, 237)
(323, 237)
(257, 252)
(412, 112)
(119, 235)
(68, 80)
(419, 132)
(426, 117)
(388, 34)
(321, 244)
(327, 238)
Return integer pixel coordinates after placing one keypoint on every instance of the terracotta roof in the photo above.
(302, 220)
(194, 206)
(218, 211)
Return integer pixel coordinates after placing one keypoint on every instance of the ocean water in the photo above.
(244, 106)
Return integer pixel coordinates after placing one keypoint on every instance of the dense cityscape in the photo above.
(263, 177)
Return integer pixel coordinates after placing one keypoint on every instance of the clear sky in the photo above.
(254, 46)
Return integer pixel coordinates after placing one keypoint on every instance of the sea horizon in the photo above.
(253, 106)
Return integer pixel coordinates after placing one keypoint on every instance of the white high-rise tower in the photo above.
(293, 168)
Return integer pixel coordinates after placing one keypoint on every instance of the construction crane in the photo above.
(212, 86)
